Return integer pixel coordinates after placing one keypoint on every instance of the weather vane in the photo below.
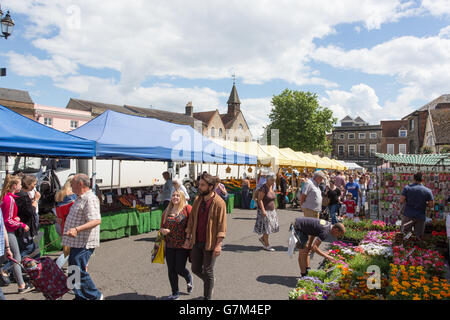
(234, 78)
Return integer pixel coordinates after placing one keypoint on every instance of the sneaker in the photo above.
(190, 286)
(269, 248)
(28, 288)
(173, 296)
(101, 297)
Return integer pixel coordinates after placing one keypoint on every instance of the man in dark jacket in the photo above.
(283, 190)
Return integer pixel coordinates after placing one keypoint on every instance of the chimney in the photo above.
(189, 109)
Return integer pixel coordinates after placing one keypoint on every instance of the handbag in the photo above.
(325, 201)
(158, 250)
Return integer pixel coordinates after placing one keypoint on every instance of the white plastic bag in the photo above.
(291, 243)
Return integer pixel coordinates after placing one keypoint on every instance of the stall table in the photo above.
(51, 239)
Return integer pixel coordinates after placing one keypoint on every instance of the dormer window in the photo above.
(402, 133)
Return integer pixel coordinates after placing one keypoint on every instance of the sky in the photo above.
(378, 59)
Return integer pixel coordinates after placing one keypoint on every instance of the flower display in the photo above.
(373, 249)
(411, 283)
(430, 260)
(312, 288)
(411, 268)
(380, 238)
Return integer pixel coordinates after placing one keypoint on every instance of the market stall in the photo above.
(22, 136)
(375, 261)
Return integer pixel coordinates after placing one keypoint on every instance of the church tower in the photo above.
(234, 104)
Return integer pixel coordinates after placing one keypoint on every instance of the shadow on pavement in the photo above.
(147, 239)
(131, 296)
(241, 248)
(290, 282)
(244, 218)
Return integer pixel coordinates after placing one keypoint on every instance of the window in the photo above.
(373, 135)
(220, 132)
(362, 150)
(235, 139)
(213, 132)
(411, 125)
(390, 148)
(241, 127)
(373, 149)
(402, 148)
(402, 133)
(351, 151)
(361, 135)
(73, 124)
(341, 136)
(48, 121)
(351, 136)
(340, 151)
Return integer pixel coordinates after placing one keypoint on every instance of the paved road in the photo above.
(122, 270)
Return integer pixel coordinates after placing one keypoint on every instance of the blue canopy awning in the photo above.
(19, 134)
(128, 137)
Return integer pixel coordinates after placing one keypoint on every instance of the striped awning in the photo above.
(417, 159)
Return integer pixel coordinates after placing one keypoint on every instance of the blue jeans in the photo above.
(333, 210)
(2, 296)
(88, 291)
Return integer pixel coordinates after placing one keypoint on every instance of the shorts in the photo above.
(308, 213)
(302, 239)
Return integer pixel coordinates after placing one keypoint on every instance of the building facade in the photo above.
(417, 122)
(356, 141)
(61, 119)
(437, 129)
(18, 101)
(395, 137)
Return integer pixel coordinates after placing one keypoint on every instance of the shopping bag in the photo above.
(158, 250)
(252, 204)
(292, 242)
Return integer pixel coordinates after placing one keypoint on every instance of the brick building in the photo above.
(417, 121)
(356, 141)
(394, 138)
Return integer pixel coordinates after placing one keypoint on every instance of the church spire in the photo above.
(234, 104)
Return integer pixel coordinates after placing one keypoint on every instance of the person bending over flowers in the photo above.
(308, 229)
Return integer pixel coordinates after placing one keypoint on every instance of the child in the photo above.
(350, 206)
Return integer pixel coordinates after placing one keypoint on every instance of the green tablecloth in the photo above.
(50, 238)
(120, 224)
(155, 219)
(144, 222)
(238, 200)
(230, 203)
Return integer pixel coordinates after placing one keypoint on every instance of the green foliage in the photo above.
(426, 150)
(354, 235)
(301, 121)
(361, 262)
(445, 149)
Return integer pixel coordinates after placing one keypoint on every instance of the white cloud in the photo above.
(160, 96)
(361, 101)
(256, 111)
(437, 7)
(261, 40)
(419, 64)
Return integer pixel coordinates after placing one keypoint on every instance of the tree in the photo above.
(301, 121)
(426, 150)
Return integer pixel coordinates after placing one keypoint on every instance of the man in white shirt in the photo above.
(311, 197)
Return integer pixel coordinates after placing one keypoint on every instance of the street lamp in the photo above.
(7, 24)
